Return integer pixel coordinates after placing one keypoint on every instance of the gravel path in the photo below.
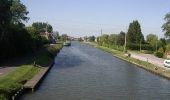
(148, 57)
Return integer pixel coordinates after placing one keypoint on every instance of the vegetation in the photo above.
(42, 27)
(15, 38)
(152, 39)
(134, 34)
(12, 82)
(166, 25)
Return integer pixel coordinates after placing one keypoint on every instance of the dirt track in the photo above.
(148, 57)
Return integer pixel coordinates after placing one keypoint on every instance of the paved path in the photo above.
(36, 79)
(148, 57)
(4, 71)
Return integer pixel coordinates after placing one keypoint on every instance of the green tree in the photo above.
(134, 34)
(166, 25)
(91, 38)
(5, 18)
(18, 11)
(162, 44)
(113, 39)
(121, 38)
(41, 27)
(64, 37)
(104, 39)
(152, 39)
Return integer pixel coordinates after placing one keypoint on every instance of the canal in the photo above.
(82, 72)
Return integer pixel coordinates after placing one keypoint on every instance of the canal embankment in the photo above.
(151, 67)
(12, 83)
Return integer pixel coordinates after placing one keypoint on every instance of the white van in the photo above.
(167, 63)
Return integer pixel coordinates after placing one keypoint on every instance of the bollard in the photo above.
(13, 98)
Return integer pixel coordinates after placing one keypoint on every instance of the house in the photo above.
(45, 34)
(168, 55)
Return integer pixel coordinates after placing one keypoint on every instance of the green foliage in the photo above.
(166, 25)
(104, 39)
(113, 39)
(18, 11)
(14, 80)
(134, 34)
(64, 37)
(159, 54)
(133, 46)
(41, 27)
(162, 44)
(91, 38)
(152, 39)
(121, 38)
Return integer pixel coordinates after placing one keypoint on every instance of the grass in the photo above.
(142, 64)
(12, 82)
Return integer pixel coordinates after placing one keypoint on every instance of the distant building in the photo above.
(49, 36)
(168, 55)
(45, 34)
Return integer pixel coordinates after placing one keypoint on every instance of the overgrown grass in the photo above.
(164, 72)
(12, 82)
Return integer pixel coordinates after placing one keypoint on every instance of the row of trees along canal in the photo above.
(135, 39)
(15, 38)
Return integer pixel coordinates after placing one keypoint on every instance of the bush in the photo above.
(159, 54)
(133, 46)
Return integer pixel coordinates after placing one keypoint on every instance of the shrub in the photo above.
(159, 54)
(133, 46)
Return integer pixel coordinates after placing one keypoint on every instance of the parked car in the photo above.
(167, 63)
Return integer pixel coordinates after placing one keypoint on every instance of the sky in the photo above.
(87, 17)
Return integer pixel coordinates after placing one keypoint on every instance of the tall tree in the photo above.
(5, 18)
(92, 38)
(41, 27)
(104, 39)
(166, 25)
(121, 38)
(113, 39)
(19, 12)
(134, 34)
(162, 43)
(152, 39)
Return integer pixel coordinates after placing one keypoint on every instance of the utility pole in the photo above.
(140, 45)
(156, 45)
(125, 44)
(101, 32)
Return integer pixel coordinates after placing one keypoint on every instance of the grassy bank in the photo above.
(12, 82)
(142, 64)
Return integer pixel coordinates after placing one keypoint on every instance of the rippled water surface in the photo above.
(82, 72)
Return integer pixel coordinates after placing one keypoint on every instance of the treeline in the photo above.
(15, 38)
(134, 39)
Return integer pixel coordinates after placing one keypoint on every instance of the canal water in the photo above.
(82, 72)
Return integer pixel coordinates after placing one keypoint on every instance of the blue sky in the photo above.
(87, 17)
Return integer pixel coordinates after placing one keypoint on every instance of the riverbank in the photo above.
(158, 70)
(15, 80)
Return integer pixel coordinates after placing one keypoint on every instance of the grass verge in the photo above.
(12, 82)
